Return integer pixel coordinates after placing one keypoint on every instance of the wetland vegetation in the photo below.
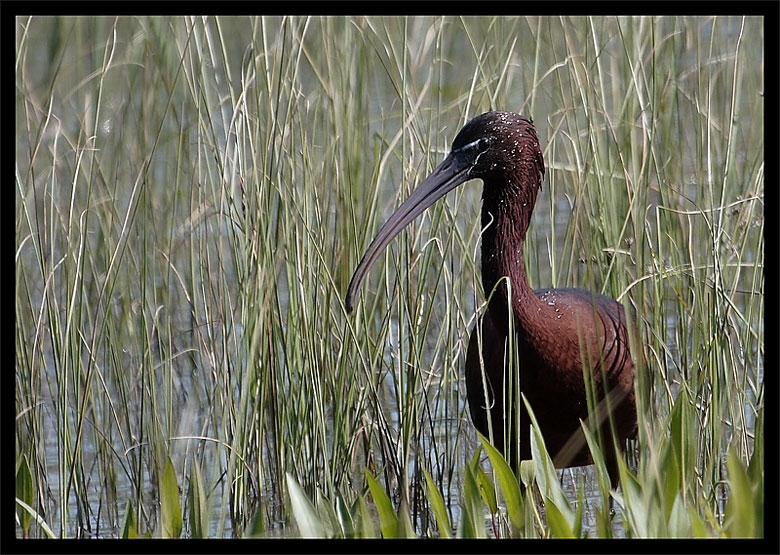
(193, 194)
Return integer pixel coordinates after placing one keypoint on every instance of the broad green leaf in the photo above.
(510, 488)
(487, 490)
(681, 465)
(741, 509)
(603, 521)
(170, 507)
(255, 528)
(405, 526)
(558, 523)
(472, 524)
(306, 517)
(196, 498)
(598, 461)
(546, 474)
(365, 527)
(128, 529)
(346, 521)
(388, 521)
(678, 525)
(527, 473)
(25, 492)
(699, 528)
(328, 516)
(436, 501)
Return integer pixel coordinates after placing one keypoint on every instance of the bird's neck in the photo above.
(505, 225)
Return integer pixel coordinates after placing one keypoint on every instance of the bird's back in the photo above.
(581, 329)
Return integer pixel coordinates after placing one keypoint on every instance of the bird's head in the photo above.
(501, 148)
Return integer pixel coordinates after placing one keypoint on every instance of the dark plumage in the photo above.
(558, 332)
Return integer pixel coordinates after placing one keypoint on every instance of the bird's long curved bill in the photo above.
(447, 175)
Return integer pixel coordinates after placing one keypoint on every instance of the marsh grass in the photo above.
(194, 193)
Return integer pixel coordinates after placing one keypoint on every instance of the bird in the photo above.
(567, 342)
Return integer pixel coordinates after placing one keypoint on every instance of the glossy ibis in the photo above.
(568, 341)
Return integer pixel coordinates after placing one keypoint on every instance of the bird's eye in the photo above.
(474, 148)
